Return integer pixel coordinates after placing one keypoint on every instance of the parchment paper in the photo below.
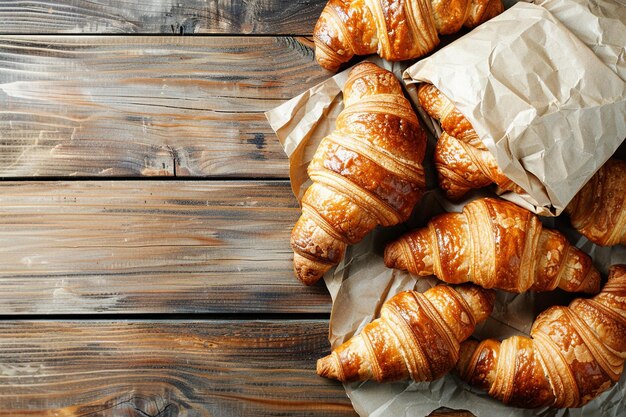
(548, 108)
(361, 283)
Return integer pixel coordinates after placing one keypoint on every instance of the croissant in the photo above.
(395, 29)
(495, 244)
(366, 172)
(417, 336)
(462, 167)
(598, 211)
(461, 159)
(439, 107)
(575, 353)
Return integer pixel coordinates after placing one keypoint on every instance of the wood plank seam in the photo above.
(150, 247)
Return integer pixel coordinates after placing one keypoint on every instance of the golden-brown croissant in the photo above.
(462, 167)
(495, 244)
(598, 211)
(395, 29)
(366, 172)
(439, 107)
(575, 353)
(462, 160)
(417, 336)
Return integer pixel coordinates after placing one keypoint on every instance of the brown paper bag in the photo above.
(548, 108)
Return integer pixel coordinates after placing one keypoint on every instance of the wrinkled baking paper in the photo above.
(361, 283)
(545, 92)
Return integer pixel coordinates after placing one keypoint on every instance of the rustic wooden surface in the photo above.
(166, 368)
(128, 296)
(290, 17)
(123, 295)
(130, 106)
(150, 247)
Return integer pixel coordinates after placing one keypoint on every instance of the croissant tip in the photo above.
(467, 349)
(617, 271)
(307, 277)
(307, 271)
(326, 368)
(393, 255)
(327, 64)
(480, 299)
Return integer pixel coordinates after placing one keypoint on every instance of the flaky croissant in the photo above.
(439, 107)
(366, 172)
(598, 211)
(462, 160)
(417, 336)
(575, 353)
(395, 29)
(462, 167)
(495, 244)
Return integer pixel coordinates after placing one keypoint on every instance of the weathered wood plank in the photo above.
(166, 369)
(295, 17)
(107, 106)
(150, 247)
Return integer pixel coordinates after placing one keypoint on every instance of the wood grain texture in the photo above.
(150, 247)
(166, 369)
(295, 17)
(127, 106)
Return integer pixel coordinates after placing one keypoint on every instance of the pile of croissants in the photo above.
(368, 172)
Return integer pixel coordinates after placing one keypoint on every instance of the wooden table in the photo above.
(145, 211)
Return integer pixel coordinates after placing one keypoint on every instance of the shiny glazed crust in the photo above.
(395, 29)
(462, 167)
(495, 244)
(462, 160)
(417, 336)
(365, 173)
(439, 107)
(598, 211)
(575, 353)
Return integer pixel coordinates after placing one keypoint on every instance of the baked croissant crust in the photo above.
(598, 211)
(495, 244)
(575, 353)
(462, 167)
(439, 107)
(367, 172)
(417, 336)
(395, 29)
(462, 160)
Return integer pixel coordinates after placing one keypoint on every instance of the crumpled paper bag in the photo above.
(361, 282)
(546, 96)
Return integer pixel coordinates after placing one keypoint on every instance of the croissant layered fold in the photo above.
(367, 172)
(598, 211)
(395, 29)
(462, 160)
(417, 336)
(575, 353)
(495, 244)
(462, 167)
